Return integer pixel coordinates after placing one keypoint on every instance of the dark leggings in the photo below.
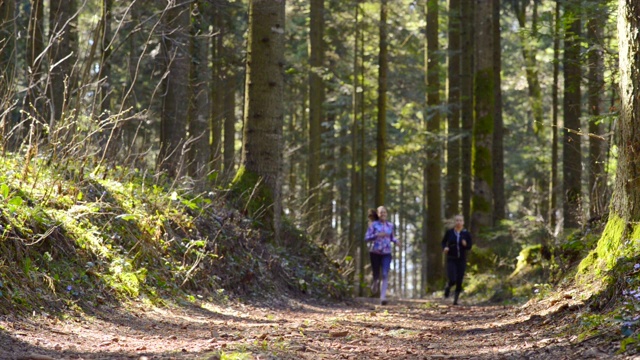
(378, 262)
(455, 272)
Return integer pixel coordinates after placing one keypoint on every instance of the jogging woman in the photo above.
(455, 244)
(380, 235)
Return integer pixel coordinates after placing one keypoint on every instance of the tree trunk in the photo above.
(353, 191)
(229, 122)
(217, 91)
(381, 137)
(554, 185)
(62, 28)
(34, 101)
(572, 155)
(452, 190)
(362, 157)
(105, 64)
(400, 234)
(466, 95)
(620, 237)
(433, 170)
(8, 36)
(108, 134)
(264, 111)
(316, 114)
(200, 151)
(597, 145)
(541, 185)
(484, 90)
(499, 201)
(176, 96)
(530, 63)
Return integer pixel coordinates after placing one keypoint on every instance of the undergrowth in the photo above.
(74, 237)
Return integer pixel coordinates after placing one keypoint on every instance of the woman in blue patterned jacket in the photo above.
(380, 235)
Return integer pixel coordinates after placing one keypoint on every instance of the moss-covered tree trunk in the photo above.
(482, 201)
(452, 187)
(63, 54)
(316, 114)
(200, 151)
(432, 235)
(261, 169)
(175, 103)
(572, 153)
(381, 137)
(466, 99)
(597, 146)
(620, 238)
(554, 184)
(499, 201)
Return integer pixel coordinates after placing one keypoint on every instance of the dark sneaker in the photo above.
(447, 291)
(383, 302)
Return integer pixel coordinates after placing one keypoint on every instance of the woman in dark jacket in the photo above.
(455, 244)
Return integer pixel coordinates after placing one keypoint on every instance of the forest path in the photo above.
(359, 329)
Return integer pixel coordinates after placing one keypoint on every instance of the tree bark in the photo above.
(34, 101)
(597, 146)
(452, 189)
(484, 91)
(572, 155)
(554, 184)
(316, 114)
(200, 151)
(499, 201)
(217, 91)
(175, 103)
(105, 64)
(362, 154)
(466, 95)
(619, 241)
(353, 191)
(433, 169)
(381, 137)
(8, 36)
(264, 109)
(531, 67)
(627, 184)
(63, 53)
(229, 122)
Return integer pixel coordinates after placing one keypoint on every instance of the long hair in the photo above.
(372, 215)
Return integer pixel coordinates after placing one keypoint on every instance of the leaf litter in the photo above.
(303, 329)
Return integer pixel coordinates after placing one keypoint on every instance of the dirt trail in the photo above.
(295, 330)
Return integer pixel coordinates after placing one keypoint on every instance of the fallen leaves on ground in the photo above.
(359, 329)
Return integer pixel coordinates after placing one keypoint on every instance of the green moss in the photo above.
(484, 85)
(481, 204)
(483, 168)
(617, 242)
(529, 255)
(254, 196)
